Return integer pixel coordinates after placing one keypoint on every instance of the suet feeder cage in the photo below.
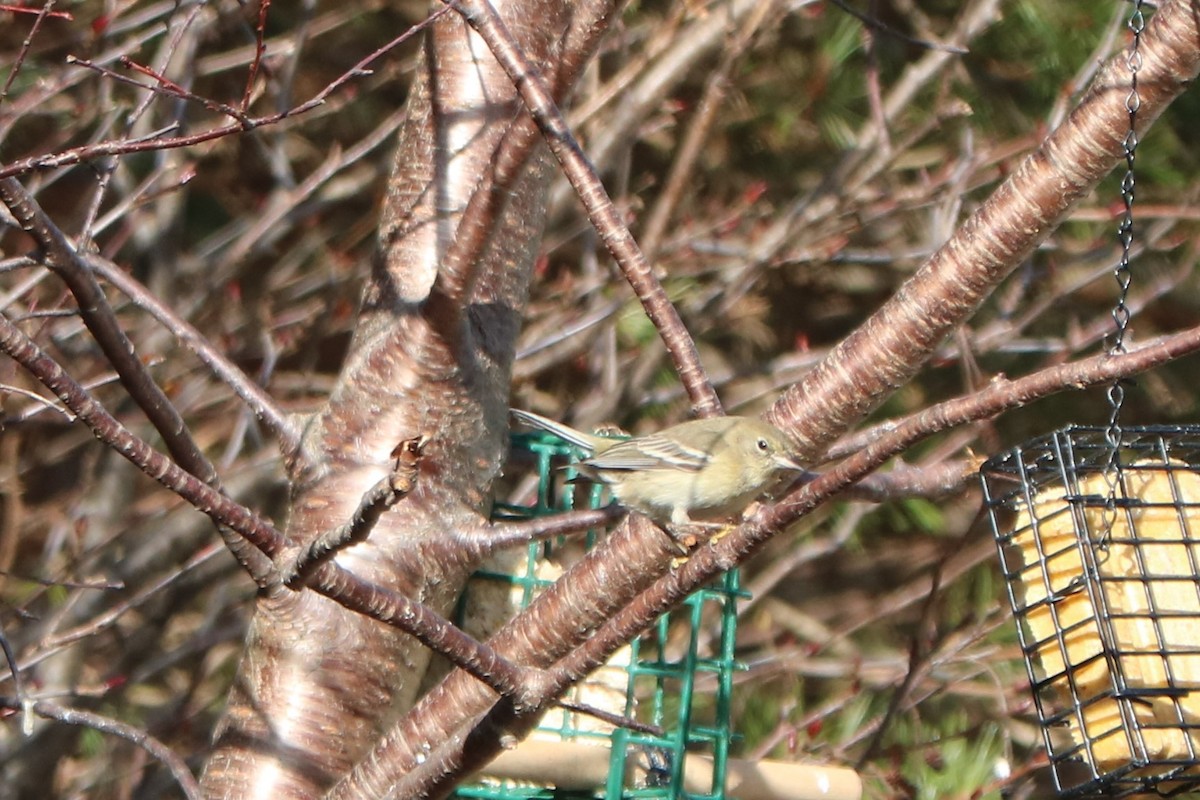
(1098, 532)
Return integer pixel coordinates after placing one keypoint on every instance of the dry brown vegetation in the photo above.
(784, 166)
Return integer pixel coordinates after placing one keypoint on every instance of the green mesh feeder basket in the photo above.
(661, 680)
(654, 681)
(1100, 550)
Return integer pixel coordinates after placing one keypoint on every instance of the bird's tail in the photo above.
(566, 432)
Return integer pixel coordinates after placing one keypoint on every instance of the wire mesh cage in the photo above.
(656, 680)
(1099, 546)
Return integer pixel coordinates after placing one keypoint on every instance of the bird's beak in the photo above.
(783, 462)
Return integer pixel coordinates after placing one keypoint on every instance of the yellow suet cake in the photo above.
(1145, 555)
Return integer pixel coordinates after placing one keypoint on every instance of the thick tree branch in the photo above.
(892, 345)
(559, 619)
(888, 351)
(435, 772)
(729, 551)
(309, 664)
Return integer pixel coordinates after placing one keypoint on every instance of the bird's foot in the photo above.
(689, 535)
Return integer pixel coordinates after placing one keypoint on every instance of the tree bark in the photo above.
(431, 356)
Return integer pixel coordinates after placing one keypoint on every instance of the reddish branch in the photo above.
(259, 48)
(864, 370)
(891, 346)
(438, 771)
(329, 579)
(160, 141)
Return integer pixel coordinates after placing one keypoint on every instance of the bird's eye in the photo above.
(763, 445)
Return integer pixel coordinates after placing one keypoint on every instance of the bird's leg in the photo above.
(687, 532)
(680, 517)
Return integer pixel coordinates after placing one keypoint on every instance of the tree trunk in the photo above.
(431, 356)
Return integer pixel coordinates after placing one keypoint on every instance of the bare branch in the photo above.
(388, 491)
(498, 536)
(162, 86)
(10, 658)
(600, 209)
(893, 344)
(259, 49)
(715, 89)
(261, 403)
(721, 555)
(523, 685)
(43, 13)
(229, 515)
(100, 319)
(89, 719)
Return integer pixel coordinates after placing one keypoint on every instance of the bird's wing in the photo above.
(650, 452)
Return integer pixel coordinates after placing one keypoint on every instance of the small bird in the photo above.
(712, 468)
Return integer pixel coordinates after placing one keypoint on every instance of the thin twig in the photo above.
(261, 403)
(688, 153)
(133, 734)
(388, 491)
(616, 720)
(877, 25)
(918, 652)
(45, 11)
(76, 155)
(14, 669)
(259, 48)
(497, 536)
(166, 86)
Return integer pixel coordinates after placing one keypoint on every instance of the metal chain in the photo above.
(1123, 272)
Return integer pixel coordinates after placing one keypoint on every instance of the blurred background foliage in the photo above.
(876, 635)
